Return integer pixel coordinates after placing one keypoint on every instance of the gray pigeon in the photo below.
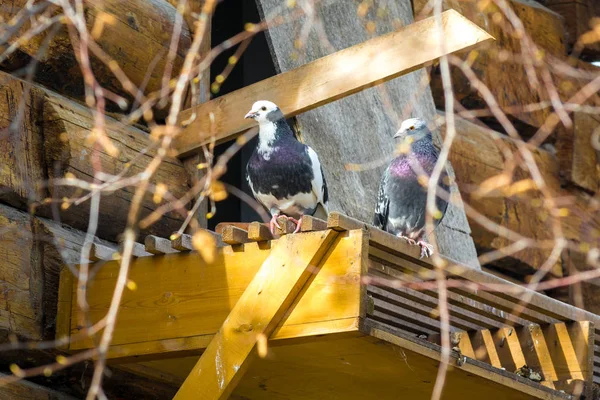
(284, 174)
(402, 199)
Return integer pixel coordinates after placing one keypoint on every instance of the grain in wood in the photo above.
(147, 25)
(233, 235)
(158, 245)
(258, 231)
(67, 127)
(221, 367)
(182, 242)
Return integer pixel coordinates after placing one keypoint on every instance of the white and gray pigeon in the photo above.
(402, 199)
(284, 174)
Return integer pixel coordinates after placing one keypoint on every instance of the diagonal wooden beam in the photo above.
(331, 78)
(257, 313)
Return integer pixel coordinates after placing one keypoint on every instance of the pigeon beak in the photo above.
(251, 114)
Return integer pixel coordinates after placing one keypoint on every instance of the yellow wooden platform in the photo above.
(333, 330)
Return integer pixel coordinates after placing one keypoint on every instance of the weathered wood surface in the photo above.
(52, 139)
(133, 33)
(383, 365)
(477, 155)
(22, 278)
(32, 253)
(577, 156)
(22, 169)
(578, 15)
(495, 62)
(67, 127)
(263, 305)
(359, 128)
(190, 13)
(25, 390)
(329, 77)
(168, 297)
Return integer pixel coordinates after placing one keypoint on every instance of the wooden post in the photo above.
(256, 314)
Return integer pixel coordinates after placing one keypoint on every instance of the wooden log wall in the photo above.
(33, 251)
(477, 155)
(135, 33)
(579, 19)
(51, 141)
(496, 64)
(572, 171)
(44, 136)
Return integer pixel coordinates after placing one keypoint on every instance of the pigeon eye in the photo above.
(263, 108)
(412, 128)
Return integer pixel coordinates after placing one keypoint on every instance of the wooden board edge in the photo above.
(364, 299)
(64, 306)
(195, 345)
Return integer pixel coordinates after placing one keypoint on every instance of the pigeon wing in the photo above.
(318, 184)
(383, 203)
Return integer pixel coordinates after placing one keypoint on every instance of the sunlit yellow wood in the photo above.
(263, 304)
(180, 301)
(195, 345)
(65, 303)
(383, 367)
(331, 78)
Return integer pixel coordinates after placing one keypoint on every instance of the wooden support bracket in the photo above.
(257, 313)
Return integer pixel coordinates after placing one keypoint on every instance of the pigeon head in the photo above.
(264, 111)
(412, 130)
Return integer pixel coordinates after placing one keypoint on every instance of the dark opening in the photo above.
(255, 65)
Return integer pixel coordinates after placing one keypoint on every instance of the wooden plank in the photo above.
(571, 348)
(139, 250)
(64, 306)
(258, 231)
(172, 290)
(509, 348)
(576, 154)
(195, 345)
(377, 237)
(21, 269)
(21, 148)
(425, 305)
(484, 348)
(233, 235)
(222, 225)
(182, 242)
(286, 227)
(257, 312)
(317, 83)
(99, 252)
(158, 245)
(578, 16)
(532, 337)
(310, 224)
